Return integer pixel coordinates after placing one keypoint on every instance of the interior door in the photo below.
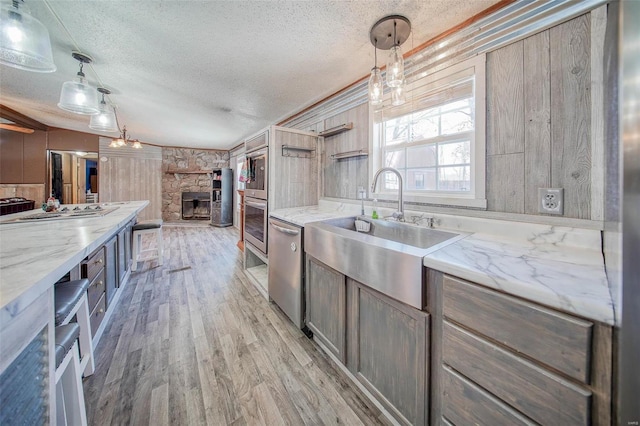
(56, 176)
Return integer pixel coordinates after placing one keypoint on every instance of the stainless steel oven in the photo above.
(256, 186)
(255, 222)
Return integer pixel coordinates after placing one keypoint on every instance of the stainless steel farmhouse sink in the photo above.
(388, 258)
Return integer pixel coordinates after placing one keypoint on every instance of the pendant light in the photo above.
(388, 34)
(395, 63)
(398, 94)
(24, 41)
(375, 80)
(105, 120)
(78, 96)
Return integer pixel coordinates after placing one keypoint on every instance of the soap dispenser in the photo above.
(374, 214)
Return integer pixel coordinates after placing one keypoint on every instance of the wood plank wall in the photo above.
(544, 124)
(539, 120)
(293, 181)
(341, 178)
(130, 175)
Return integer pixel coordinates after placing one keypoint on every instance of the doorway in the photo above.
(73, 176)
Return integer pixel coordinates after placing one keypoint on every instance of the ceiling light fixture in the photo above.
(24, 41)
(388, 34)
(105, 120)
(78, 96)
(124, 140)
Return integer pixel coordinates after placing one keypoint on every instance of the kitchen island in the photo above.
(34, 255)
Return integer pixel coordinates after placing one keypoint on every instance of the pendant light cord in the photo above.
(73, 40)
(375, 52)
(395, 41)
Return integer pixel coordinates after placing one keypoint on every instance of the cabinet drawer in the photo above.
(465, 403)
(557, 340)
(541, 395)
(97, 315)
(95, 290)
(94, 264)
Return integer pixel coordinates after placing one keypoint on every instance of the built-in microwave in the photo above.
(256, 184)
(255, 222)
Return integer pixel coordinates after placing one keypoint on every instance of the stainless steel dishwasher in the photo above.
(286, 279)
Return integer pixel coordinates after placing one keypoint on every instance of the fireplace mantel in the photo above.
(190, 172)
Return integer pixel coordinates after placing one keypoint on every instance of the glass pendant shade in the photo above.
(113, 144)
(24, 41)
(395, 67)
(79, 97)
(398, 94)
(105, 120)
(136, 145)
(375, 87)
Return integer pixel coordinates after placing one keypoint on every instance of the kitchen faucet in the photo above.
(399, 215)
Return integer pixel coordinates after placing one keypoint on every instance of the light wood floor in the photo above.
(193, 342)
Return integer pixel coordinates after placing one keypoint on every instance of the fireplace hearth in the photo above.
(196, 205)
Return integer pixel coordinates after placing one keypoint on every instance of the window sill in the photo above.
(443, 200)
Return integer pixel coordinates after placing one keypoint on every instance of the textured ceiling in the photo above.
(207, 74)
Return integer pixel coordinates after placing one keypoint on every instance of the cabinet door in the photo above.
(111, 268)
(325, 306)
(388, 351)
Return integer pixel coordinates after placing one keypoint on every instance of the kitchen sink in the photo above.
(388, 258)
(422, 238)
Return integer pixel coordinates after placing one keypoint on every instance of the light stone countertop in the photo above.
(302, 215)
(559, 267)
(34, 255)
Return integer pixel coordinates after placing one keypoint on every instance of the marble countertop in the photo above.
(559, 267)
(33, 256)
(571, 279)
(302, 215)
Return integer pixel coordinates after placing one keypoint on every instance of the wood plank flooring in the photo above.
(193, 342)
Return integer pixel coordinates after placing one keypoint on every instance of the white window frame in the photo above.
(476, 197)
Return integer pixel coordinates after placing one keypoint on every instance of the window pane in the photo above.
(424, 179)
(463, 104)
(425, 128)
(456, 121)
(397, 130)
(454, 153)
(390, 180)
(421, 156)
(454, 178)
(394, 159)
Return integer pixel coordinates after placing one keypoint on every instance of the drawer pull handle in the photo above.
(98, 261)
(101, 311)
(100, 282)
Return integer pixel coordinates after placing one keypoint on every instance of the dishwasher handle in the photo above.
(284, 230)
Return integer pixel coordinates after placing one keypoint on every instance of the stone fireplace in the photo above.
(196, 205)
(187, 171)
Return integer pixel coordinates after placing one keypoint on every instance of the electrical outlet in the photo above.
(551, 200)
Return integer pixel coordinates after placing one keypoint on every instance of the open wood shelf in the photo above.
(349, 154)
(335, 130)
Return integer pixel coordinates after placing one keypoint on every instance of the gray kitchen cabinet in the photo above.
(499, 359)
(387, 351)
(326, 306)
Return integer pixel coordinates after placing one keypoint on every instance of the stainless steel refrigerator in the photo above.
(622, 198)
